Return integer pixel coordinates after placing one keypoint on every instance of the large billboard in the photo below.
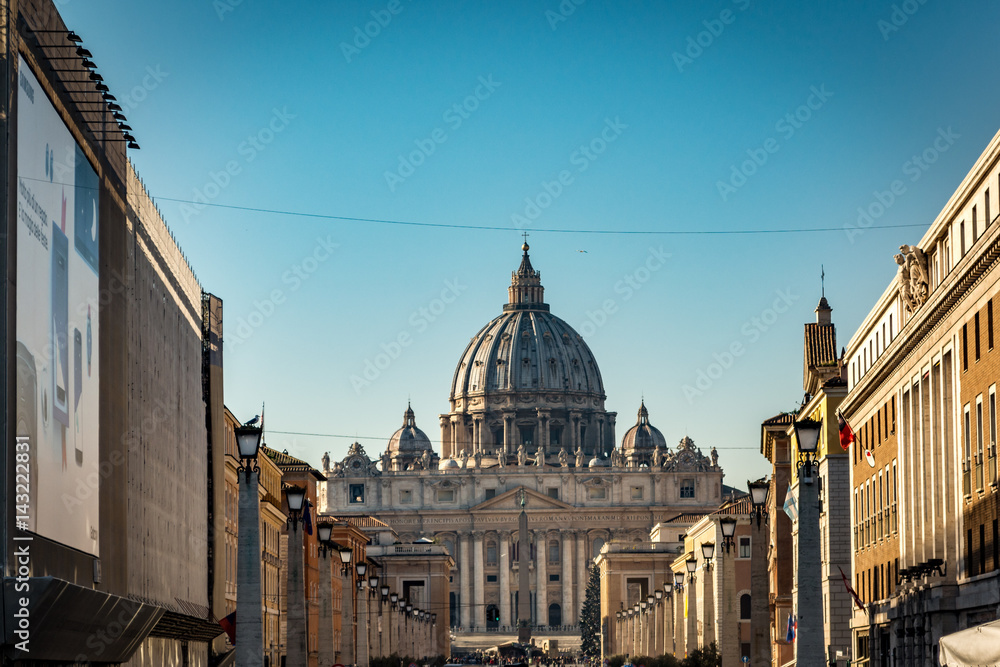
(56, 483)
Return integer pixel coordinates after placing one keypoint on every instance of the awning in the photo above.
(69, 623)
(974, 647)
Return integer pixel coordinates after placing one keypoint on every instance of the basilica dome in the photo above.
(527, 349)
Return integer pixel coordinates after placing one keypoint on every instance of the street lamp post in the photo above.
(361, 614)
(679, 597)
(249, 613)
(651, 624)
(372, 593)
(383, 642)
(658, 645)
(296, 655)
(346, 609)
(325, 630)
(760, 646)
(809, 639)
(725, 613)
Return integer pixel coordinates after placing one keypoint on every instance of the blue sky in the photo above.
(701, 117)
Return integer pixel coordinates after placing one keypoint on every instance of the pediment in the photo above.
(511, 500)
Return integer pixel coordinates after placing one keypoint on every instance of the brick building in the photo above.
(922, 375)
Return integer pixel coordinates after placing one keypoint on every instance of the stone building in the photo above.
(922, 377)
(527, 411)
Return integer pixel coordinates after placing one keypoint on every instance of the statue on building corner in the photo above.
(425, 459)
(715, 458)
(579, 457)
(464, 458)
(326, 461)
(502, 459)
(386, 461)
(522, 455)
(657, 457)
(477, 459)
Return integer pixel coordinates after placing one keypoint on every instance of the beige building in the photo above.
(526, 412)
(922, 373)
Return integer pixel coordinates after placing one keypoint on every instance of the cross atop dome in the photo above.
(526, 291)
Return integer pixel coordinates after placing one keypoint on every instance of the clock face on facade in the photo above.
(355, 464)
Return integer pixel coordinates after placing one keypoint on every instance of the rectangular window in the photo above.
(986, 222)
(553, 577)
(491, 493)
(356, 493)
(989, 325)
(405, 496)
(687, 488)
(980, 459)
(636, 493)
(555, 436)
(977, 336)
(527, 435)
(975, 225)
(446, 495)
(982, 548)
(491, 578)
(553, 492)
(596, 493)
(966, 465)
(996, 546)
(961, 235)
(965, 346)
(744, 547)
(992, 451)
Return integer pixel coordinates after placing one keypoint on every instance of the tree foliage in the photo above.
(590, 617)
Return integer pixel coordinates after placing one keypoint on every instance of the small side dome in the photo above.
(448, 464)
(598, 462)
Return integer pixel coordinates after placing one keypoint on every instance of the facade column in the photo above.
(466, 570)
(454, 437)
(582, 571)
(566, 555)
(444, 421)
(477, 434)
(325, 630)
(505, 619)
(478, 595)
(508, 432)
(249, 614)
(542, 579)
(655, 630)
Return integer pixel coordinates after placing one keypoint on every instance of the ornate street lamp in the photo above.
(393, 599)
(807, 437)
(692, 565)
(707, 551)
(345, 561)
(296, 496)
(658, 594)
(728, 531)
(679, 580)
(759, 491)
(249, 616)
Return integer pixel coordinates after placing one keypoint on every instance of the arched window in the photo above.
(745, 607)
(555, 615)
(598, 544)
(553, 551)
(491, 552)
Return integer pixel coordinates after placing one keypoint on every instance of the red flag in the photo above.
(229, 625)
(846, 432)
(857, 600)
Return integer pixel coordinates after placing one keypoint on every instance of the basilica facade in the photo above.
(526, 412)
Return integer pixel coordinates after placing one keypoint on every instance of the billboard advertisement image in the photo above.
(57, 473)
